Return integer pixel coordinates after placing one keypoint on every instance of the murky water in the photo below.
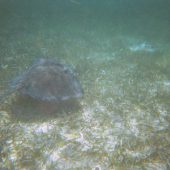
(120, 51)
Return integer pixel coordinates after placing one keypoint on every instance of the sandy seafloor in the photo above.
(120, 51)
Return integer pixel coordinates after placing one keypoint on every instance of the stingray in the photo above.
(49, 81)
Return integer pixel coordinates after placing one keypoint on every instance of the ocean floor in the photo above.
(123, 120)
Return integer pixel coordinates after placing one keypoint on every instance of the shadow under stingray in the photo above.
(27, 109)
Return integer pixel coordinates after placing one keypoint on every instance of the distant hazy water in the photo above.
(120, 50)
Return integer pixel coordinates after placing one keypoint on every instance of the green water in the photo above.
(120, 51)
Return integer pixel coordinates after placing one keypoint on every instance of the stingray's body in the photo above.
(49, 81)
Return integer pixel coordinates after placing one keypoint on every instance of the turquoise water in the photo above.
(120, 51)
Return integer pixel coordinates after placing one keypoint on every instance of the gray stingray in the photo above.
(49, 81)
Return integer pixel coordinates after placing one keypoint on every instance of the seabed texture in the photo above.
(120, 51)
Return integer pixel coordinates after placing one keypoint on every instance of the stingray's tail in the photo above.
(4, 96)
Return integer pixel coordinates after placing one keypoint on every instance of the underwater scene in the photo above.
(84, 85)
